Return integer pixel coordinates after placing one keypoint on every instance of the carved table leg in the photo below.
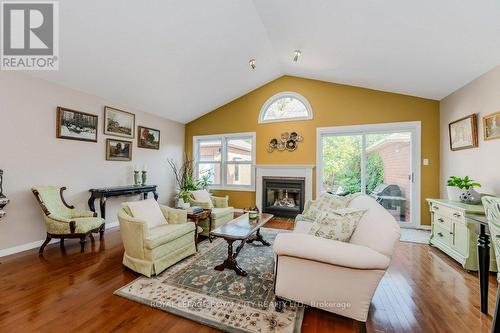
(230, 262)
(145, 194)
(91, 203)
(155, 195)
(61, 244)
(258, 238)
(102, 203)
(483, 250)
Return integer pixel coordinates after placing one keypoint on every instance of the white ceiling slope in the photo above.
(182, 59)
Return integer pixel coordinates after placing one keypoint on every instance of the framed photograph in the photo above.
(463, 133)
(491, 126)
(76, 125)
(118, 122)
(118, 150)
(148, 138)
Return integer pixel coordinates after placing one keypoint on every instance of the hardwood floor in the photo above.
(423, 291)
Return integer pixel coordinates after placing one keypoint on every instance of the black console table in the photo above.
(103, 193)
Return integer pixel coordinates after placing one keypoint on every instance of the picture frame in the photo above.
(76, 125)
(463, 133)
(118, 150)
(119, 123)
(148, 138)
(491, 126)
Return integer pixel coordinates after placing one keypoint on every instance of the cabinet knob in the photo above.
(440, 234)
(457, 214)
(440, 220)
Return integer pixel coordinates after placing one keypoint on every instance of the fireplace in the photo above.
(283, 197)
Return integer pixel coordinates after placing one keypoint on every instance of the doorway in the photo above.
(381, 160)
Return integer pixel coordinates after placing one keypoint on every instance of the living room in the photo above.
(251, 166)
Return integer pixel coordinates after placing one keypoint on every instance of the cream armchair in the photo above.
(149, 251)
(336, 276)
(220, 215)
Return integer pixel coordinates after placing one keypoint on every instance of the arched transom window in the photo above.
(285, 106)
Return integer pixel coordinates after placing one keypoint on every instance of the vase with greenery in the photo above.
(185, 180)
(457, 186)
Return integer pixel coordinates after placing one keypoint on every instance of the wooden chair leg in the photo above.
(47, 240)
(279, 303)
(495, 325)
(101, 232)
(61, 244)
(82, 244)
(361, 327)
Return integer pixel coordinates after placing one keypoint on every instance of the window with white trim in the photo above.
(228, 159)
(285, 106)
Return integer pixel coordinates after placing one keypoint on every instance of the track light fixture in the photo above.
(252, 63)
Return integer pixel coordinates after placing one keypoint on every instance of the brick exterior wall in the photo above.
(396, 159)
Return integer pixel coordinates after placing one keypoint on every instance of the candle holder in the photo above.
(137, 178)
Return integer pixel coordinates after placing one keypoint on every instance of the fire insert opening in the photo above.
(283, 197)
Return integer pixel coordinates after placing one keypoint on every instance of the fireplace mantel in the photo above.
(283, 170)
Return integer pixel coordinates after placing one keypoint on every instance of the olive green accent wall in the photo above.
(332, 105)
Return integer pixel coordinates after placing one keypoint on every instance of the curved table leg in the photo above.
(230, 262)
(102, 204)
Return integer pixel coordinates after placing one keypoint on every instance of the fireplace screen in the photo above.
(283, 196)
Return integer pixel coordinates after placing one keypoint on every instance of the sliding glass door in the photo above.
(380, 160)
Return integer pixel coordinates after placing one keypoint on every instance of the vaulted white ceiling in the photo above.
(182, 59)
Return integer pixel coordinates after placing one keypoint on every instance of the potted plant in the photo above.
(462, 189)
(186, 182)
(453, 188)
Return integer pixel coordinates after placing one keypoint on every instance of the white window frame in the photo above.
(278, 96)
(224, 162)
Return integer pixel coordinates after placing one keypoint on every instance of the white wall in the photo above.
(481, 96)
(30, 154)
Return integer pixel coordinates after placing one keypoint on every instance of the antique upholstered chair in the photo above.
(150, 249)
(63, 220)
(341, 276)
(221, 212)
(492, 210)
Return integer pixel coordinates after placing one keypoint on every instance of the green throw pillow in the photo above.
(337, 224)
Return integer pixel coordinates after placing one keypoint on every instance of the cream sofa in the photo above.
(336, 276)
(149, 251)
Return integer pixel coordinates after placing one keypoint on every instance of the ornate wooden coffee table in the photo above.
(245, 230)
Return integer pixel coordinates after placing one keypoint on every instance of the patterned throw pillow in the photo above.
(337, 224)
(327, 202)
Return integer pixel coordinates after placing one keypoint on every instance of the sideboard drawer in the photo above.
(443, 222)
(448, 212)
(443, 235)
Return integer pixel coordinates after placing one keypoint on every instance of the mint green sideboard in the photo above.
(456, 235)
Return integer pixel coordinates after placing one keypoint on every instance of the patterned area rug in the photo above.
(224, 300)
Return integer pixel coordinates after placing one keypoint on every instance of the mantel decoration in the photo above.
(3, 199)
(287, 141)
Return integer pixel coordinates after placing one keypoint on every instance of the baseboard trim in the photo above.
(35, 244)
(424, 227)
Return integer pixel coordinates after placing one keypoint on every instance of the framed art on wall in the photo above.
(118, 122)
(491, 126)
(463, 133)
(76, 125)
(148, 138)
(118, 150)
